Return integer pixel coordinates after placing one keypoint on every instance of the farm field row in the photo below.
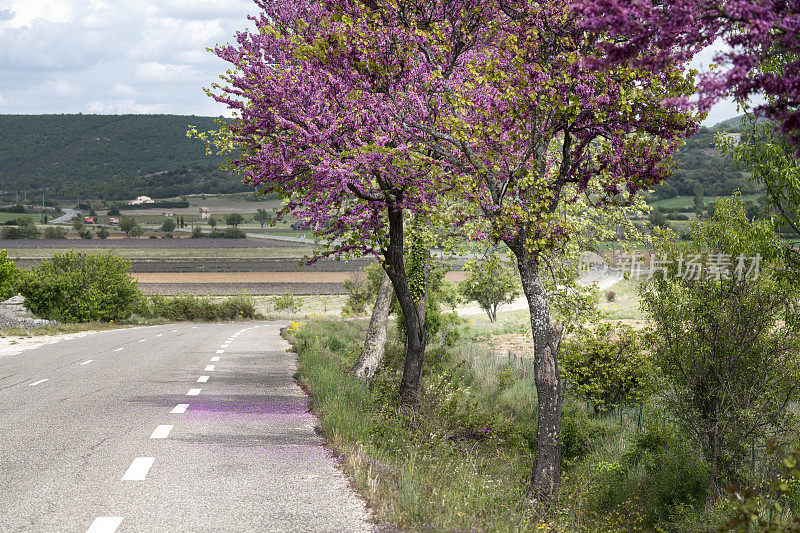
(259, 277)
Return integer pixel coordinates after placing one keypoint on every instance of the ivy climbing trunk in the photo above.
(546, 475)
(372, 354)
(416, 331)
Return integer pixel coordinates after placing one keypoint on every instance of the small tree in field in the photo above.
(491, 282)
(234, 219)
(262, 217)
(212, 222)
(127, 225)
(725, 331)
(168, 226)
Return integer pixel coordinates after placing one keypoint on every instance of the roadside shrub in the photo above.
(191, 307)
(286, 301)
(81, 287)
(359, 294)
(55, 232)
(227, 233)
(9, 277)
(197, 232)
(103, 233)
(23, 228)
(611, 296)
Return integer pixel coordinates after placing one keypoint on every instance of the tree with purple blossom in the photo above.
(360, 112)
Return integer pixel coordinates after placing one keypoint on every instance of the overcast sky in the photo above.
(125, 56)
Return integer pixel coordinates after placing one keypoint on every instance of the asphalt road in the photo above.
(166, 428)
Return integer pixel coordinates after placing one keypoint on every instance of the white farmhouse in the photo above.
(141, 200)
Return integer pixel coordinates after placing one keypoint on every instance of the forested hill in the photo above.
(698, 161)
(114, 157)
(118, 157)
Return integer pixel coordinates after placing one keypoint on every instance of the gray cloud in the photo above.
(6, 14)
(116, 56)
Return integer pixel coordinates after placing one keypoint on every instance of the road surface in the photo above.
(69, 215)
(165, 428)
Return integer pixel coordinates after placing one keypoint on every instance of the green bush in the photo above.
(358, 289)
(199, 309)
(227, 233)
(55, 232)
(81, 287)
(286, 301)
(9, 277)
(660, 480)
(23, 228)
(608, 367)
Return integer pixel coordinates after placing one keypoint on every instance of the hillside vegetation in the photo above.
(698, 161)
(113, 157)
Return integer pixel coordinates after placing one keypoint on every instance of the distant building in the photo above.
(141, 200)
(88, 220)
(205, 213)
(113, 221)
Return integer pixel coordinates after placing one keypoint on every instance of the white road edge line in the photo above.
(180, 408)
(210, 368)
(105, 524)
(138, 469)
(37, 382)
(203, 379)
(87, 362)
(161, 432)
(215, 359)
(193, 392)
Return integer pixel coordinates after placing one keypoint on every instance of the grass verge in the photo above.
(462, 460)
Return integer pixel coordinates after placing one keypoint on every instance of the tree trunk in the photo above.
(372, 354)
(416, 331)
(546, 474)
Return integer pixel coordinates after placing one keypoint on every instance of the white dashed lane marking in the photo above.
(210, 368)
(138, 469)
(193, 392)
(215, 359)
(202, 379)
(38, 382)
(174, 331)
(142, 340)
(119, 349)
(161, 432)
(87, 362)
(220, 351)
(160, 335)
(180, 408)
(105, 524)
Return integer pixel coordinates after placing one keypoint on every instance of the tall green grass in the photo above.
(462, 460)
